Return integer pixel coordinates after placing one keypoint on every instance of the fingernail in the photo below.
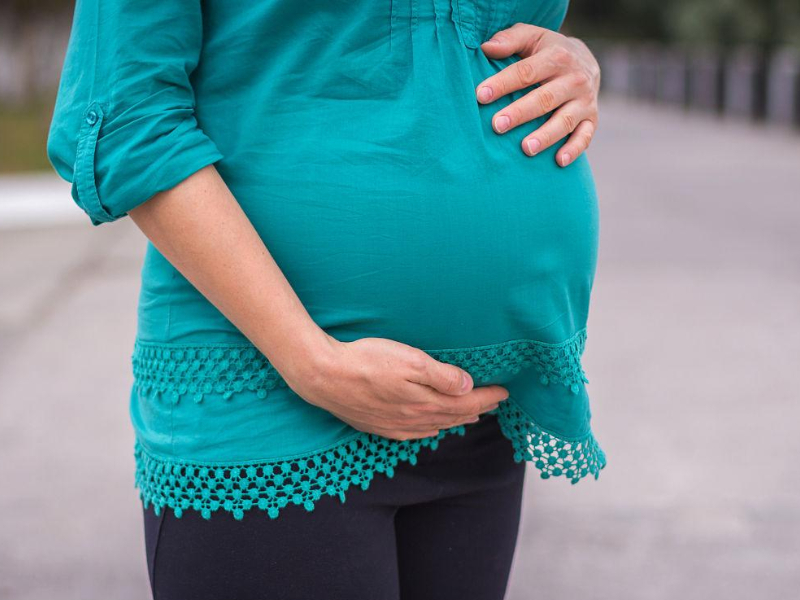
(502, 123)
(475, 419)
(533, 146)
(492, 41)
(565, 159)
(485, 93)
(464, 382)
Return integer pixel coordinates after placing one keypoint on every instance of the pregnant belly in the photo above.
(448, 246)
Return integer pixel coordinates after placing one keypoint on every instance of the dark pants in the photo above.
(445, 528)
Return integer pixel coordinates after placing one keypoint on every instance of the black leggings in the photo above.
(445, 528)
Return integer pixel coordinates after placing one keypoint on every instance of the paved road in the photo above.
(693, 351)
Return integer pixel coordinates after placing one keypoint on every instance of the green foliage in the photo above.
(23, 130)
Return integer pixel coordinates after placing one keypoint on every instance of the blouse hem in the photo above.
(272, 485)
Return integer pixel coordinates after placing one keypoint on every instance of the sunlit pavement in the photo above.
(692, 356)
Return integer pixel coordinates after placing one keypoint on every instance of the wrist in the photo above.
(308, 356)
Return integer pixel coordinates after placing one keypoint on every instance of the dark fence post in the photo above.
(741, 82)
(783, 87)
(644, 73)
(706, 79)
(615, 64)
(672, 77)
(744, 83)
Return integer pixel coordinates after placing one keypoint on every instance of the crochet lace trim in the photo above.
(302, 480)
(179, 370)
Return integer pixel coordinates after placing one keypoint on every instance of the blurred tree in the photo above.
(35, 6)
(21, 19)
(766, 23)
(729, 22)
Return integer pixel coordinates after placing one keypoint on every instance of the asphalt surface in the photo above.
(692, 356)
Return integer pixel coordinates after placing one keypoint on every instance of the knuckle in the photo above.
(427, 409)
(540, 39)
(407, 412)
(582, 79)
(561, 56)
(551, 36)
(518, 25)
(546, 100)
(473, 407)
(569, 121)
(451, 407)
(417, 363)
(525, 72)
(452, 381)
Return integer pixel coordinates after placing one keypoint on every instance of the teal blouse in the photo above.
(349, 132)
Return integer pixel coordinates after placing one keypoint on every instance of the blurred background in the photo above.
(693, 348)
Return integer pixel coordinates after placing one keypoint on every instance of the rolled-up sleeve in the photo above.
(124, 126)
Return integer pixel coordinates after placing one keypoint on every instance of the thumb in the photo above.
(520, 38)
(448, 379)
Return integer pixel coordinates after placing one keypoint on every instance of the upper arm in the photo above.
(124, 125)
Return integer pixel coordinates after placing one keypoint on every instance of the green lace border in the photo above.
(302, 480)
(196, 370)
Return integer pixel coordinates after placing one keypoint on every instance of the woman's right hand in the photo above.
(391, 389)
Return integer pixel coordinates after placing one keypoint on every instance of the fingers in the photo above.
(442, 377)
(479, 400)
(436, 423)
(533, 105)
(520, 38)
(417, 400)
(577, 143)
(420, 407)
(559, 125)
(446, 420)
(569, 75)
(517, 76)
(424, 412)
(394, 433)
(447, 390)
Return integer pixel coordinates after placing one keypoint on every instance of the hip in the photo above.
(401, 526)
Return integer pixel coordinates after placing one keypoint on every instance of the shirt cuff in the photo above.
(121, 170)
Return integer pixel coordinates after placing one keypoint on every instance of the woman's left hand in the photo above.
(570, 82)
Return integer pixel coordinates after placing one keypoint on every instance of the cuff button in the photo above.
(91, 118)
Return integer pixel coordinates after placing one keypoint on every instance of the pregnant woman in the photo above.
(372, 237)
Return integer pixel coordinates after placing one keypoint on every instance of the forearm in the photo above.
(200, 228)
